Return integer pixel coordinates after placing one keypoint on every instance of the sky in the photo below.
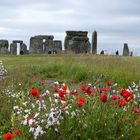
(116, 21)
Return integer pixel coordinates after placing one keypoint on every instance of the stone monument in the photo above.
(23, 49)
(4, 44)
(57, 46)
(77, 42)
(94, 42)
(125, 50)
(44, 44)
(13, 47)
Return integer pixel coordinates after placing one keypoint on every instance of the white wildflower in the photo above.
(36, 115)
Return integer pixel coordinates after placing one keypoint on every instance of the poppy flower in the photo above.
(109, 83)
(136, 110)
(84, 87)
(61, 92)
(35, 92)
(104, 89)
(122, 102)
(115, 97)
(17, 132)
(81, 101)
(103, 98)
(63, 98)
(127, 94)
(87, 89)
(8, 136)
(81, 104)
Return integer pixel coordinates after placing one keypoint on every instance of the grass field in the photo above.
(89, 112)
(74, 68)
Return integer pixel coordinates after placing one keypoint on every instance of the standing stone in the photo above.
(18, 41)
(4, 44)
(125, 50)
(36, 45)
(94, 42)
(48, 44)
(23, 49)
(57, 46)
(77, 42)
(41, 44)
(13, 48)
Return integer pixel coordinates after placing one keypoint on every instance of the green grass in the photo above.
(75, 68)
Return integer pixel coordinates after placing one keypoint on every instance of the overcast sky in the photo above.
(116, 21)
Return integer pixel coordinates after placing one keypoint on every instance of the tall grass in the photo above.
(75, 68)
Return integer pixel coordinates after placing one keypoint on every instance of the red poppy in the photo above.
(35, 92)
(104, 89)
(8, 136)
(63, 98)
(61, 92)
(122, 102)
(115, 97)
(81, 101)
(55, 89)
(103, 98)
(17, 132)
(136, 110)
(109, 83)
(81, 104)
(84, 87)
(87, 89)
(127, 94)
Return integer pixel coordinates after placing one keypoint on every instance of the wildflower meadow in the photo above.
(69, 98)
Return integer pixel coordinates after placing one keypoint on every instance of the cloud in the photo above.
(116, 21)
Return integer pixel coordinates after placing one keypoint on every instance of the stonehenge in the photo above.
(125, 50)
(94, 42)
(13, 47)
(77, 42)
(57, 44)
(4, 44)
(44, 44)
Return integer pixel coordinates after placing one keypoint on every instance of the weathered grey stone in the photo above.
(77, 42)
(4, 44)
(125, 50)
(57, 46)
(46, 37)
(41, 44)
(23, 49)
(48, 45)
(36, 45)
(76, 33)
(18, 41)
(94, 42)
(13, 48)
